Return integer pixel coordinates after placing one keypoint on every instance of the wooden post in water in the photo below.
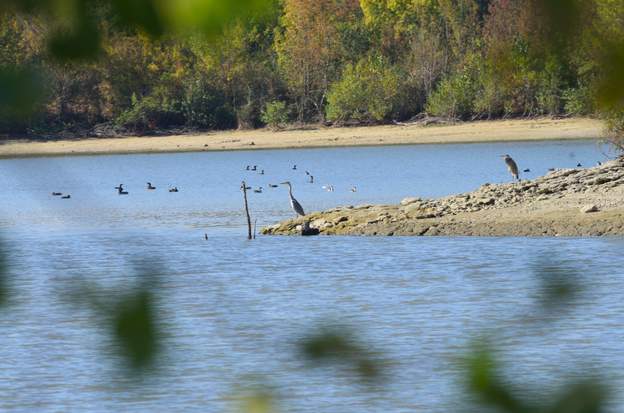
(244, 188)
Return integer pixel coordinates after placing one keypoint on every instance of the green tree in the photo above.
(368, 91)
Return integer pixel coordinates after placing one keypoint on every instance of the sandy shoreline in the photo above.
(469, 132)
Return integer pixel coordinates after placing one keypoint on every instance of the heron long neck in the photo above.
(290, 191)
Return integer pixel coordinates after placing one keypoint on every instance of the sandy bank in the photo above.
(567, 202)
(482, 131)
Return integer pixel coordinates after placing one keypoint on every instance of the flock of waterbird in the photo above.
(295, 205)
(512, 166)
(310, 180)
(120, 190)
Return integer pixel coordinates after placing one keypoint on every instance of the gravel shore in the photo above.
(566, 202)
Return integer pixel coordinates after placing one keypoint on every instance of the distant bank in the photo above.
(468, 132)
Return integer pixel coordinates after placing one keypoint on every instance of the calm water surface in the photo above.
(233, 310)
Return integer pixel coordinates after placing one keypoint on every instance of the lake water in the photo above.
(233, 310)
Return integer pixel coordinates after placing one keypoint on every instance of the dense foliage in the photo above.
(315, 61)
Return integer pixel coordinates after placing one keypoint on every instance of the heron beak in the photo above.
(283, 183)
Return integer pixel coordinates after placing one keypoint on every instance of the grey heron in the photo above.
(296, 206)
(511, 165)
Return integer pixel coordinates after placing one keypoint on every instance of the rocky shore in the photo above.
(566, 202)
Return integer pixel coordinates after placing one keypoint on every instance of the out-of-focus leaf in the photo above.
(257, 402)
(80, 42)
(562, 16)
(140, 13)
(20, 90)
(587, 397)
(483, 380)
(559, 284)
(209, 16)
(333, 345)
(135, 328)
(611, 90)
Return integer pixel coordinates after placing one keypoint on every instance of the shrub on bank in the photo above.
(368, 91)
(275, 114)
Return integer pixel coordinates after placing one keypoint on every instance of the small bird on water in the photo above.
(120, 190)
(511, 166)
(526, 170)
(296, 206)
(150, 186)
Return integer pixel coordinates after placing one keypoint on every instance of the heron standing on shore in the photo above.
(296, 206)
(511, 165)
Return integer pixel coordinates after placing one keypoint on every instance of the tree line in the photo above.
(311, 61)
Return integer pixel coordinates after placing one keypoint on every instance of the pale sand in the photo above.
(470, 132)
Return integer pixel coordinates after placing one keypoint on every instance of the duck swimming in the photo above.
(150, 186)
(66, 196)
(174, 189)
(273, 186)
(120, 190)
(57, 193)
(258, 191)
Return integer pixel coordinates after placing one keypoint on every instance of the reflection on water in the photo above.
(233, 308)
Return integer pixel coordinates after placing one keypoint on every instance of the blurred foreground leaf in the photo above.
(80, 42)
(484, 382)
(586, 397)
(131, 317)
(20, 91)
(134, 327)
(140, 13)
(257, 401)
(611, 88)
(331, 345)
(559, 285)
